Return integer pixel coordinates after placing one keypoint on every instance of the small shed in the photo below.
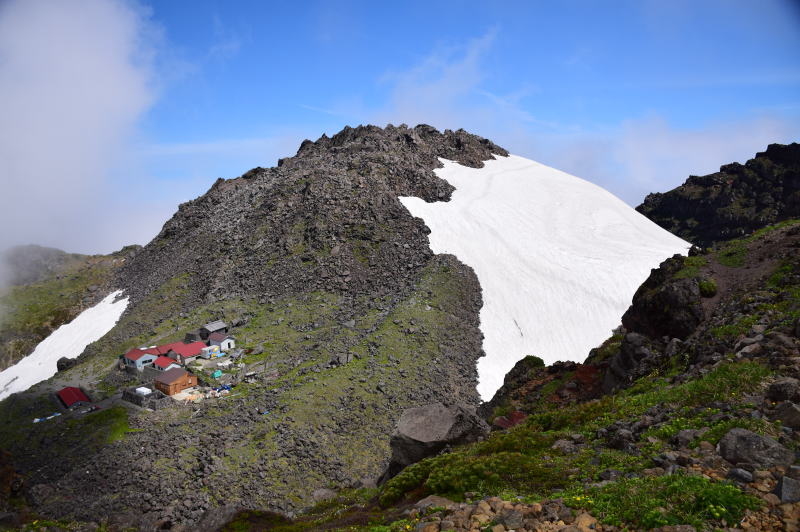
(212, 327)
(163, 363)
(224, 341)
(174, 381)
(71, 396)
(140, 357)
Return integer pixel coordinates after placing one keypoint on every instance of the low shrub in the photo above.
(708, 287)
(667, 500)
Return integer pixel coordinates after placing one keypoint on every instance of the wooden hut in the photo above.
(174, 381)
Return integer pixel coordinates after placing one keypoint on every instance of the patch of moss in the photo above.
(708, 287)
(691, 267)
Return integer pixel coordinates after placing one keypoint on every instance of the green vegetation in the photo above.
(733, 253)
(691, 267)
(690, 418)
(734, 330)
(521, 460)
(667, 500)
(346, 506)
(708, 287)
(606, 350)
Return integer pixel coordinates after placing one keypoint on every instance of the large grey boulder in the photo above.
(426, 430)
(741, 446)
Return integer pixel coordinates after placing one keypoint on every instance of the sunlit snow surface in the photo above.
(69, 341)
(558, 258)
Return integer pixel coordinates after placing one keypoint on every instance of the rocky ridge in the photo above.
(733, 202)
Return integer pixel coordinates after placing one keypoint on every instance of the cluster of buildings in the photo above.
(169, 360)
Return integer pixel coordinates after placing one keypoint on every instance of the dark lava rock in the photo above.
(426, 430)
(743, 446)
(665, 306)
(789, 414)
(733, 202)
(740, 475)
(784, 389)
(65, 363)
(637, 356)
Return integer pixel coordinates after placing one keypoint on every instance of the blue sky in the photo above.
(633, 96)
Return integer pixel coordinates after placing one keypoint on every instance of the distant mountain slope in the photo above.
(558, 258)
(46, 288)
(733, 202)
(29, 264)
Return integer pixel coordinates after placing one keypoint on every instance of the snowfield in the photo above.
(69, 341)
(558, 258)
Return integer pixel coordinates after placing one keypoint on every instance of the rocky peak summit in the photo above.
(327, 218)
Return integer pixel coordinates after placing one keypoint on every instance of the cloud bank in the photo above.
(75, 79)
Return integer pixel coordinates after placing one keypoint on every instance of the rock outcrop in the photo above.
(741, 446)
(426, 430)
(733, 202)
(665, 305)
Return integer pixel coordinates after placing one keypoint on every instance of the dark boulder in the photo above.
(743, 446)
(664, 305)
(637, 356)
(425, 430)
(65, 363)
(789, 414)
(740, 475)
(784, 389)
(788, 490)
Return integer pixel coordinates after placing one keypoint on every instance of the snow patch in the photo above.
(558, 258)
(69, 341)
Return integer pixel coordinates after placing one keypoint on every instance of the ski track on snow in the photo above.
(69, 341)
(558, 258)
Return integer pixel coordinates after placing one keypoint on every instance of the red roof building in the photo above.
(163, 363)
(136, 353)
(71, 395)
(180, 351)
(139, 358)
(180, 348)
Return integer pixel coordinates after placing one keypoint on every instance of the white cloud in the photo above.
(75, 78)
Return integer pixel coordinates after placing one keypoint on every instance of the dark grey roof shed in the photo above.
(215, 326)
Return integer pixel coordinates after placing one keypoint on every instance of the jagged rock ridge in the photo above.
(733, 202)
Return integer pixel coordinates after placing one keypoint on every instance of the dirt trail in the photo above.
(761, 259)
